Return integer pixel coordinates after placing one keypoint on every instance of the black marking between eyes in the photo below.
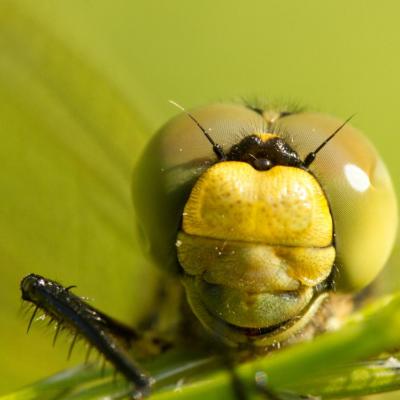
(263, 155)
(99, 330)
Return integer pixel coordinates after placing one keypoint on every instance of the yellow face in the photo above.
(253, 246)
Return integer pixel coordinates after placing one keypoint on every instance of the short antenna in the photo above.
(217, 148)
(311, 156)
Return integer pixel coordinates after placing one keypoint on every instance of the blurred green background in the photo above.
(84, 84)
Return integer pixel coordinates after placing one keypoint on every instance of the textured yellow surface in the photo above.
(281, 206)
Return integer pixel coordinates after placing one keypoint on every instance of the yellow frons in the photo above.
(281, 206)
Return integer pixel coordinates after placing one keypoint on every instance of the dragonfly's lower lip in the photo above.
(249, 334)
(251, 310)
(234, 334)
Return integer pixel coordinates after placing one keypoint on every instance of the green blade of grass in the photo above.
(356, 379)
(57, 385)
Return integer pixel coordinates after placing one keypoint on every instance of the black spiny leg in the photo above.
(108, 336)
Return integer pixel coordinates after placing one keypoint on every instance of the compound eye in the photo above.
(360, 194)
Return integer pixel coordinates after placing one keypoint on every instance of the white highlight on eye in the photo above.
(357, 178)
